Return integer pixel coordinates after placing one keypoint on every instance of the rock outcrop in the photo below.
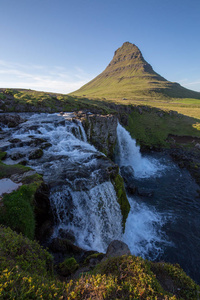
(101, 131)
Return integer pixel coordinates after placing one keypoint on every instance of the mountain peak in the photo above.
(129, 57)
(128, 75)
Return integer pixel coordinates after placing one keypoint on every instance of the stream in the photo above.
(164, 220)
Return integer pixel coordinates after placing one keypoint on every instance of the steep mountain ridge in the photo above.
(129, 75)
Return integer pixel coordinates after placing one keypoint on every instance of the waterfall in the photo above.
(94, 216)
(83, 199)
(143, 231)
(129, 155)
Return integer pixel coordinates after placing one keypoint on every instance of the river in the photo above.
(164, 220)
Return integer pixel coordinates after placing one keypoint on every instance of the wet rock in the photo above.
(19, 177)
(17, 155)
(127, 173)
(45, 145)
(81, 176)
(117, 248)
(11, 120)
(43, 213)
(35, 154)
(67, 234)
(131, 188)
(101, 131)
(65, 246)
(14, 141)
(22, 162)
(44, 231)
(37, 141)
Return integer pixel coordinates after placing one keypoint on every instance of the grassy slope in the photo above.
(151, 127)
(129, 76)
(26, 273)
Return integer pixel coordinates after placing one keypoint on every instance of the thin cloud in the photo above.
(194, 85)
(50, 79)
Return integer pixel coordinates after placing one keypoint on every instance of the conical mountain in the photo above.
(129, 76)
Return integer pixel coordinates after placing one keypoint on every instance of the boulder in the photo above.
(127, 173)
(35, 154)
(17, 155)
(67, 267)
(11, 120)
(65, 246)
(67, 234)
(117, 248)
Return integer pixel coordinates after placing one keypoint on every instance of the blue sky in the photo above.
(59, 45)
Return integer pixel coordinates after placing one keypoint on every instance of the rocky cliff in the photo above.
(101, 131)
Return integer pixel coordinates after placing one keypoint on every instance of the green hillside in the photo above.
(129, 76)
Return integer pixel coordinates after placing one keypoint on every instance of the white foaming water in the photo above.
(79, 199)
(143, 232)
(95, 215)
(92, 213)
(129, 155)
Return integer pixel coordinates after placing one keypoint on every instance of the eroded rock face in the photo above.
(101, 131)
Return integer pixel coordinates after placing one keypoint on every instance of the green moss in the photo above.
(2, 155)
(8, 170)
(18, 210)
(68, 266)
(94, 255)
(121, 197)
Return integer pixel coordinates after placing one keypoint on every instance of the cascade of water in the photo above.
(129, 155)
(143, 231)
(94, 216)
(81, 197)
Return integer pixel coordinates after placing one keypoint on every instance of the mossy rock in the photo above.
(67, 267)
(18, 211)
(121, 197)
(2, 155)
(17, 208)
(97, 257)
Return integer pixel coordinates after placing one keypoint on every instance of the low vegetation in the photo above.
(17, 208)
(27, 273)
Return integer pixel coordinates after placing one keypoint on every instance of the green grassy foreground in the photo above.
(26, 272)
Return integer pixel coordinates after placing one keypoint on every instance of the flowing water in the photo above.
(164, 220)
(163, 225)
(82, 198)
